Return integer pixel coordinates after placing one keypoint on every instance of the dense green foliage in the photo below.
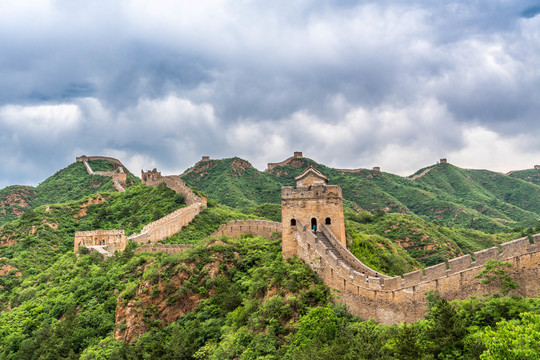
(427, 243)
(236, 298)
(14, 201)
(234, 182)
(70, 183)
(530, 175)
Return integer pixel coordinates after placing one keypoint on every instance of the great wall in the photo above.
(109, 241)
(366, 292)
(119, 177)
(312, 228)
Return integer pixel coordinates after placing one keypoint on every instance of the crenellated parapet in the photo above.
(110, 240)
(370, 294)
(175, 221)
(171, 223)
(165, 248)
(154, 178)
(296, 155)
(167, 225)
(262, 228)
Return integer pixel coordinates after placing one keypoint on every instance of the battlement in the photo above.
(296, 155)
(111, 240)
(262, 228)
(314, 191)
(150, 175)
(370, 294)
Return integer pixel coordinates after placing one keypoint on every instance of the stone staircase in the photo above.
(100, 249)
(322, 238)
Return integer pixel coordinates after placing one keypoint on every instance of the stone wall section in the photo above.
(176, 184)
(119, 177)
(175, 221)
(262, 228)
(167, 225)
(166, 248)
(155, 231)
(110, 240)
(296, 155)
(395, 299)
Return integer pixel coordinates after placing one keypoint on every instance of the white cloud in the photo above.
(484, 148)
(351, 84)
(45, 121)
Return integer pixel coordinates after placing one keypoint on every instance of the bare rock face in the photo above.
(159, 301)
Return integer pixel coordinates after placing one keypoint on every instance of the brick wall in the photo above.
(243, 227)
(393, 300)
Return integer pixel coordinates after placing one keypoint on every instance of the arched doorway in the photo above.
(313, 224)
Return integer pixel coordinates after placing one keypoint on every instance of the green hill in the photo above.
(530, 175)
(222, 299)
(14, 201)
(477, 199)
(237, 298)
(70, 183)
(234, 182)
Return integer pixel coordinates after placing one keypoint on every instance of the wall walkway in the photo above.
(118, 177)
(154, 231)
(175, 221)
(390, 300)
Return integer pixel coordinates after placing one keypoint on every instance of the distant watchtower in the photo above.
(313, 202)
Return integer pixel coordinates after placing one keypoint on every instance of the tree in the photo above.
(496, 272)
(513, 340)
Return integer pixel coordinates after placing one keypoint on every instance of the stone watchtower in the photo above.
(313, 202)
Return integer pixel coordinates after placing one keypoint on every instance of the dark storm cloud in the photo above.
(351, 83)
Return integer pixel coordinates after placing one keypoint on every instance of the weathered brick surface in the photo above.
(112, 240)
(244, 227)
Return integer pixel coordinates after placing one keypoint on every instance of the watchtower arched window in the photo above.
(293, 222)
(328, 221)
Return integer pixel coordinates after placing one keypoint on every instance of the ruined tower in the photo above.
(313, 202)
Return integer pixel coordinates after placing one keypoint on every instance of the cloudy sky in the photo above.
(396, 84)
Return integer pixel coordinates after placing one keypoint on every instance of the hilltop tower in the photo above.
(313, 202)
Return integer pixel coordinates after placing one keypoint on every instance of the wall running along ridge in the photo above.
(262, 228)
(119, 178)
(175, 221)
(296, 155)
(154, 231)
(394, 299)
